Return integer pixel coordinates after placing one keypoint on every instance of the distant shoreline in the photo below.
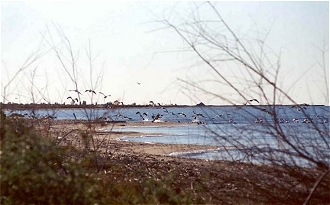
(16, 106)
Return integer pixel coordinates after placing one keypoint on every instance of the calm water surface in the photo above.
(248, 127)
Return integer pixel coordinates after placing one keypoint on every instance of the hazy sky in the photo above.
(135, 59)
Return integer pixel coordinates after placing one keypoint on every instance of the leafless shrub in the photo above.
(249, 71)
(79, 87)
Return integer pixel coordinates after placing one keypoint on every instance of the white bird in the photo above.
(181, 113)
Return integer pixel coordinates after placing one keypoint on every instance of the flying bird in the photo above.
(139, 113)
(104, 95)
(251, 101)
(198, 114)
(181, 113)
(165, 110)
(156, 117)
(138, 83)
(91, 91)
(299, 107)
(217, 116)
(77, 91)
(254, 100)
(76, 99)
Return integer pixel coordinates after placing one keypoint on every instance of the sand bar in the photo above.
(109, 140)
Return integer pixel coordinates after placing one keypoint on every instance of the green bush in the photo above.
(36, 171)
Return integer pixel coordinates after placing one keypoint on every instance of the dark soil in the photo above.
(219, 182)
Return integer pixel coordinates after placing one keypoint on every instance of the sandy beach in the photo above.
(67, 132)
(214, 182)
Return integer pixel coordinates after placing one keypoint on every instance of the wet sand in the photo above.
(68, 131)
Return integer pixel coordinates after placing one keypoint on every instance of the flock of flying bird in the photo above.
(73, 100)
(195, 116)
(199, 118)
(158, 116)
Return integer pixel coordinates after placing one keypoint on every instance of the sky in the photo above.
(125, 50)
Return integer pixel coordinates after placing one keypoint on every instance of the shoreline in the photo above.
(229, 182)
(31, 106)
(112, 138)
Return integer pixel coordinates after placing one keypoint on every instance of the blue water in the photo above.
(245, 133)
(210, 115)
